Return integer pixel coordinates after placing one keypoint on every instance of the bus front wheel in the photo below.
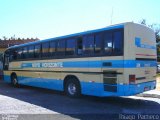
(72, 88)
(14, 80)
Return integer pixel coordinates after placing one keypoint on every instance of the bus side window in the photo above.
(37, 51)
(88, 44)
(60, 48)
(108, 43)
(19, 54)
(98, 43)
(45, 50)
(31, 52)
(10, 55)
(52, 49)
(13, 55)
(70, 47)
(25, 52)
(79, 45)
(118, 42)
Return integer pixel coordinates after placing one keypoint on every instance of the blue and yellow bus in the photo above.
(118, 60)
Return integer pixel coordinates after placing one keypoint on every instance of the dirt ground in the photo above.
(158, 84)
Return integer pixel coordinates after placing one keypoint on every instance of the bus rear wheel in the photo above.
(72, 88)
(14, 80)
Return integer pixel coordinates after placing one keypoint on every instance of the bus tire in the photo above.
(72, 88)
(14, 80)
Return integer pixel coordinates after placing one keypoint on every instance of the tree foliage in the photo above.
(14, 38)
(155, 27)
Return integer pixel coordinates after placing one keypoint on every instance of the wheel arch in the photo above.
(13, 74)
(68, 77)
(14, 80)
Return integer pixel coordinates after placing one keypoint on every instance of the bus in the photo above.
(118, 60)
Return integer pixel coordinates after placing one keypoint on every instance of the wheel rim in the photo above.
(72, 89)
(14, 81)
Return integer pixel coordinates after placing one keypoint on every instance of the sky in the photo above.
(51, 18)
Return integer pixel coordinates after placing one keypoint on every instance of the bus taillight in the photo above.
(132, 79)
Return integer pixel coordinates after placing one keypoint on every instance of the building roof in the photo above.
(8, 43)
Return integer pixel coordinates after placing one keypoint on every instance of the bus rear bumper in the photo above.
(98, 89)
(140, 88)
(132, 89)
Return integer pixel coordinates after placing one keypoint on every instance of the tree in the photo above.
(4, 38)
(143, 22)
(155, 27)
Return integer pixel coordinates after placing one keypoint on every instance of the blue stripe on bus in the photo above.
(97, 89)
(26, 65)
(96, 64)
(38, 82)
(88, 88)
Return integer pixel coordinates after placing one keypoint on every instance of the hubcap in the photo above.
(72, 88)
(14, 81)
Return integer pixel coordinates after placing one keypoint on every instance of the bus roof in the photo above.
(71, 35)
